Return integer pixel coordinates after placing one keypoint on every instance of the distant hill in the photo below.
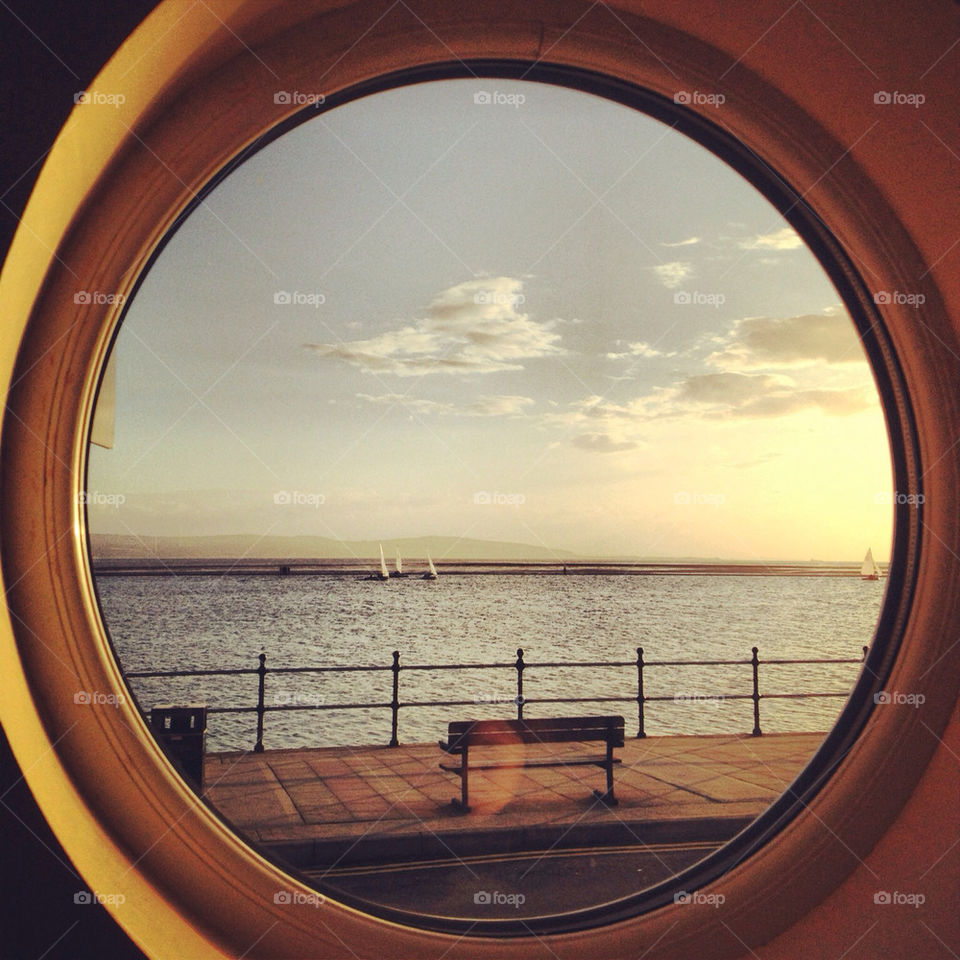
(117, 547)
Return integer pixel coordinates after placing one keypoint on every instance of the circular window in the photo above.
(113, 783)
(556, 349)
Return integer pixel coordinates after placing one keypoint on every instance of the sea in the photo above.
(181, 623)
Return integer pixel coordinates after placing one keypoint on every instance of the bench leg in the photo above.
(608, 797)
(463, 804)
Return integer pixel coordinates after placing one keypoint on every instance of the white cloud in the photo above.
(689, 242)
(501, 406)
(785, 239)
(759, 342)
(753, 395)
(639, 349)
(671, 275)
(473, 327)
(484, 406)
(402, 400)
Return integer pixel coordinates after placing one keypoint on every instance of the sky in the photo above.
(497, 310)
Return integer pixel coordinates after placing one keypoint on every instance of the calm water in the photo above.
(165, 623)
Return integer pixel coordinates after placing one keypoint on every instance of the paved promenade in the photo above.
(342, 807)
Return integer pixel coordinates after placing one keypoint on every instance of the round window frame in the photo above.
(866, 319)
(99, 776)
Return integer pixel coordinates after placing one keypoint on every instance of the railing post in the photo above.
(395, 703)
(755, 661)
(520, 668)
(262, 673)
(640, 700)
(863, 659)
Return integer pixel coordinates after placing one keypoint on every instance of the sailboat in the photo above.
(869, 569)
(382, 574)
(431, 574)
(398, 572)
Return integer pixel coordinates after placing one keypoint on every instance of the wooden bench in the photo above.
(464, 734)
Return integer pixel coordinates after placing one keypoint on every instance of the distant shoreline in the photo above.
(415, 569)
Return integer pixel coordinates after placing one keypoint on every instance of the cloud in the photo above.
(639, 349)
(602, 443)
(416, 404)
(473, 327)
(711, 396)
(484, 406)
(671, 275)
(785, 239)
(598, 425)
(502, 406)
(689, 242)
(789, 342)
(755, 395)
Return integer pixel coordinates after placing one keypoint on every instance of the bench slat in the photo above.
(485, 739)
(538, 723)
(541, 730)
(598, 761)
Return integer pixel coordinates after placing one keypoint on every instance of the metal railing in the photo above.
(519, 666)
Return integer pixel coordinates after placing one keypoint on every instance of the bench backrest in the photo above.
(479, 733)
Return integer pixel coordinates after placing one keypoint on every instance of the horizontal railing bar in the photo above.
(693, 698)
(528, 664)
(188, 673)
(268, 708)
(579, 700)
(458, 666)
(778, 662)
(787, 696)
(697, 663)
(456, 703)
(361, 669)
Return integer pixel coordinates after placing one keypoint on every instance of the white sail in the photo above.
(399, 563)
(383, 564)
(869, 569)
(433, 569)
